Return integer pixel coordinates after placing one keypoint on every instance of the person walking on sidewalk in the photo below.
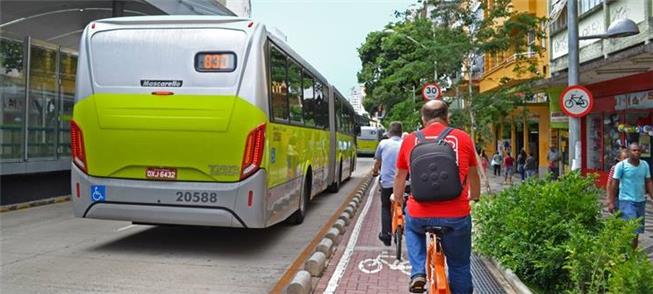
(385, 159)
(497, 160)
(623, 155)
(509, 168)
(485, 162)
(521, 164)
(531, 165)
(453, 214)
(633, 177)
(554, 160)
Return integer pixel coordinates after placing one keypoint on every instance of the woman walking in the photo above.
(497, 160)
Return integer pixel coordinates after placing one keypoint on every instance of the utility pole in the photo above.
(573, 79)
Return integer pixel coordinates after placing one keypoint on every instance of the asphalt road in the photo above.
(47, 250)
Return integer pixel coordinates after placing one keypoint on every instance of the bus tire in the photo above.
(335, 187)
(298, 217)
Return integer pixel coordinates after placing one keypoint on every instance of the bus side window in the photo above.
(325, 106)
(279, 85)
(295, 93)
(309, 100)
(321, 104)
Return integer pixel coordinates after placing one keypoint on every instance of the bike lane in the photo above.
(362, 264)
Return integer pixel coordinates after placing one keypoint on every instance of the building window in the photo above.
(587, 5)
(12, 92)
(279, 86)
(42, 111)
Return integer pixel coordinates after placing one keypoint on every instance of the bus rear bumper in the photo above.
(167, 202)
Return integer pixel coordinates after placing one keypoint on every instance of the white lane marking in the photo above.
(349, 250)
(126, 228)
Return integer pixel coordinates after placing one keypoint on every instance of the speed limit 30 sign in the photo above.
(431, 92)
(576, 101)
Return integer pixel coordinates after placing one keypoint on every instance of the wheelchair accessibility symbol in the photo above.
(98, 193)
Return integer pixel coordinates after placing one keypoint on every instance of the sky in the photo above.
(327, 33)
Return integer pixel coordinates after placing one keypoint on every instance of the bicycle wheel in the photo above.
(399, 233)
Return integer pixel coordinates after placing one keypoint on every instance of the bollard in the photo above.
(350, 211)
(333, 234)
(301, 284)
(345, 217)
(353, 204)
(316, 264)
(340, 225)
(325, 246)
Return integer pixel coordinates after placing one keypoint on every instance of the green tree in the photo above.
(394, 65)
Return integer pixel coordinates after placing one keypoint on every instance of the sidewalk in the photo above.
(362, 264)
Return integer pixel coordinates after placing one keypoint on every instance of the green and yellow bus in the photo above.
(368, 140)
(202, 120)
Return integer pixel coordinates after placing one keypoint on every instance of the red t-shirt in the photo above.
(509, 161)
(464, 147)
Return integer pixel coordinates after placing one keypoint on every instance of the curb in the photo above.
(513, 280)
(35, 203)
(302, 281)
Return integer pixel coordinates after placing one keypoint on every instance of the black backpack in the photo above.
(434, 171)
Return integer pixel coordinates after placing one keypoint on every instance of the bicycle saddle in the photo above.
(438, 230)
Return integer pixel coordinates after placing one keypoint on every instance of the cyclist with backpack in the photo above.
(444, 177)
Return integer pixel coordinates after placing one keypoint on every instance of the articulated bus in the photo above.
(202, 120)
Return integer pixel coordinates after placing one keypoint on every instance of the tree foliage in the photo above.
(394, 67)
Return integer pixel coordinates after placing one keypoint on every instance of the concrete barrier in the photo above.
(333, 234)
(346, 217)
(315, 265)
(325, 246)
(301, 284)
(340, 225)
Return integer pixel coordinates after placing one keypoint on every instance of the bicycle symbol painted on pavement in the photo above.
(375, 265)
(98, 193)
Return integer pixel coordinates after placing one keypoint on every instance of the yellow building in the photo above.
(528, 127)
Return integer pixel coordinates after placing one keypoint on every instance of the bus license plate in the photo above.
(161, 173)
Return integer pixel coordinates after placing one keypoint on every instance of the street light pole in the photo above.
(619, 28)
(575, 150)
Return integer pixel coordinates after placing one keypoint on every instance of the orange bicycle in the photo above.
(397, 225)
(436, 274)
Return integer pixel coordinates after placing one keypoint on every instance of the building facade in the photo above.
(356, 98)
(38, 45)
(618, 72)
(528, 127)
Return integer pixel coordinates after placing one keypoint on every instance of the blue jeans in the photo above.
(457, 245)
(632, 210)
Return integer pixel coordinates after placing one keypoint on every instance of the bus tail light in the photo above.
(254, 147)
(77, 144)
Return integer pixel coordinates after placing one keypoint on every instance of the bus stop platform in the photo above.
(362, 264)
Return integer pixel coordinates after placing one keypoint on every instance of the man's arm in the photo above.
(377, 167)
(612, 194)
(474, 184)
(399, 185)
(649, 187)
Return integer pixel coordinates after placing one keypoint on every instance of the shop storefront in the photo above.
(622, 114)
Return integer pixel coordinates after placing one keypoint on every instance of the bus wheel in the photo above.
(298, 217)
(335, 187)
